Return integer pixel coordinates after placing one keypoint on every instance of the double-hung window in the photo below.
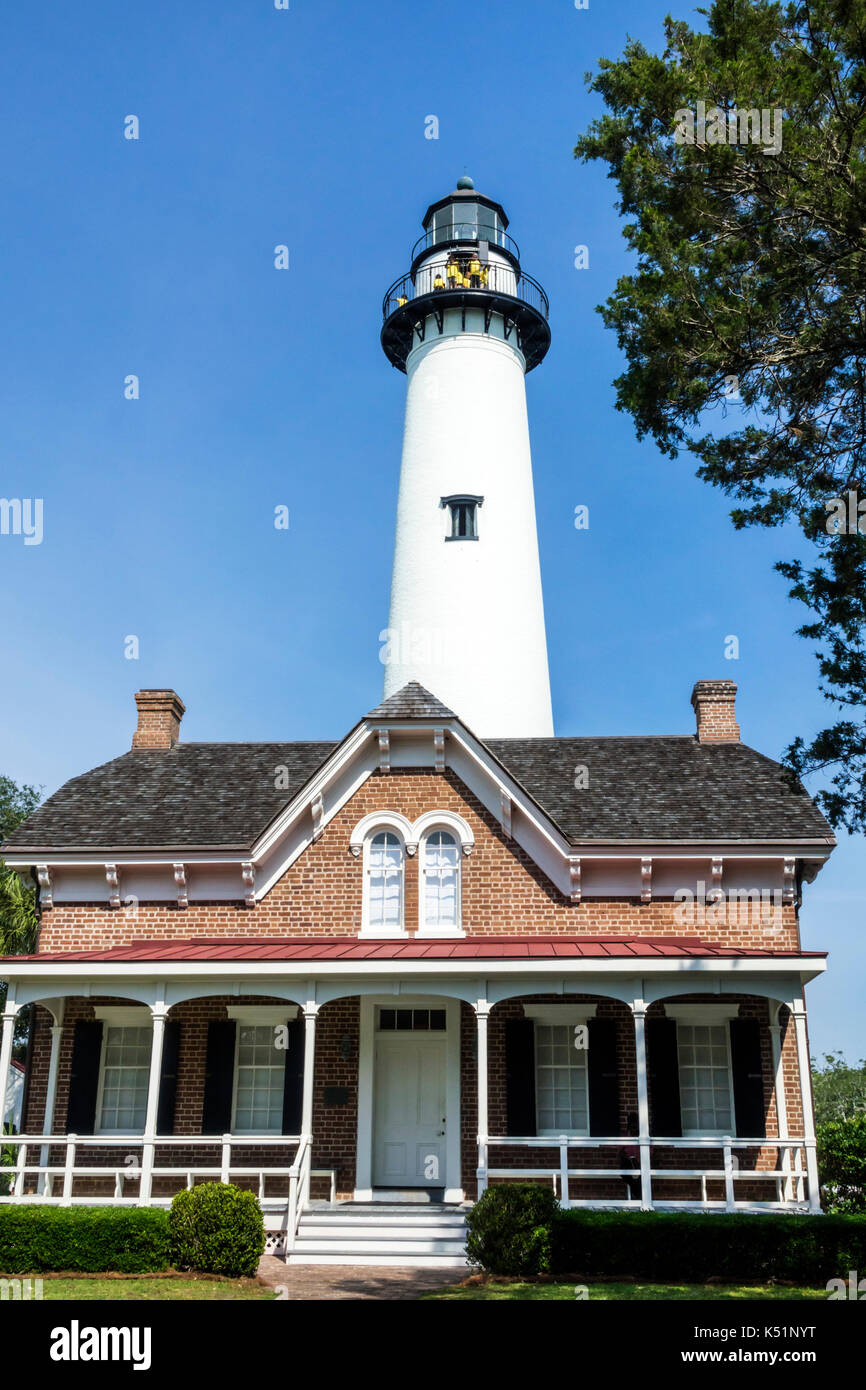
(384, 885)
(124, 1078)
(706, 1094)
(260, 1070)
(440, 864)
(561, 1081)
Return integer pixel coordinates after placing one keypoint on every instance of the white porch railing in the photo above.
(790, 1181)
(50, 1177)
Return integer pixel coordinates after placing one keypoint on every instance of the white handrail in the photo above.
(728, 1172)
(299, 1188)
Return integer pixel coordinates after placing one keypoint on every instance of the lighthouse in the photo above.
(466, 323)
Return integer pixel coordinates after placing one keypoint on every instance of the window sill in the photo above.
(441, 933)
(371, 934)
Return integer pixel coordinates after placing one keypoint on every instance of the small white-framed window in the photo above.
(561, 1081)
(259, 1082)
(124, 1076)
(440, 881)
(706, 1079)
(383, 889)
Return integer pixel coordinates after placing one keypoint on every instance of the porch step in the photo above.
(378, 1233)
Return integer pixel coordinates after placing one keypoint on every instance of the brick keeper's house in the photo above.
(368, 978)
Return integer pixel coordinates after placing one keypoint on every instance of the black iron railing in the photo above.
(462, 273)
(451, 234)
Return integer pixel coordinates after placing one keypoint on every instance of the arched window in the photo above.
(440, 904)
(384, 882)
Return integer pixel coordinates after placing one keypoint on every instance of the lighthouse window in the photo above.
(464, 517)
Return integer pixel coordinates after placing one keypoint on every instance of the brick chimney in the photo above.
(713, 703)
(159, 716)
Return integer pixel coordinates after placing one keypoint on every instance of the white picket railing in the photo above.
(791, 1181)
(143, 1172)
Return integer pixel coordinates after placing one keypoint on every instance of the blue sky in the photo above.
(261, 387)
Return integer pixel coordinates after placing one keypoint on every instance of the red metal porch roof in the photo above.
(292, 949)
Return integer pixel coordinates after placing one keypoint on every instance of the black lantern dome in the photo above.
(465, 259)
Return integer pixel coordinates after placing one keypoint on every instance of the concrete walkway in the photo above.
(314, 1283)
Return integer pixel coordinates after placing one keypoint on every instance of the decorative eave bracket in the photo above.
(181, 884)
(646, 879)
(574, 869)
(46, 887)
(248, 878)
(112, 878)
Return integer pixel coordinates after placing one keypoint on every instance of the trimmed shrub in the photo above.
(686, 1246)
(510, 1229)
(842, 1163)
(217, 1229)
(128, 1240)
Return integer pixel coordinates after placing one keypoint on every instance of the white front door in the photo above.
(409, 1109)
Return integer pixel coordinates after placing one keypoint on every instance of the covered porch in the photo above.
(392, 1073)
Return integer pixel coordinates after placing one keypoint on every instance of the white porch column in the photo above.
(10, 1014)
(639, 1010)
(482, 1015)
(799, 1012)
(159, 1012)
(57, 1012)
(311, 1010)
(310, 1013)
(779, 1093)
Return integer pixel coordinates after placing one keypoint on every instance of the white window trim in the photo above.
(692, 1017)
(432, 824)
(254, 1022)
(123, 1015)
(702, 1013)
(383, 820)
(560, 1013)
(551, 1133)
(375, 826)
(262, 1013)
(117, 1016)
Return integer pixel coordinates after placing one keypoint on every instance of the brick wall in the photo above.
(321, 894)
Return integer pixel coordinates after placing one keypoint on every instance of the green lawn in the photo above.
(156, 1288)
(603, 1292)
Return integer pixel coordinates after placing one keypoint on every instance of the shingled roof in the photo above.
(412, 702)
(215, 795)
(661, 788)
(223, 795)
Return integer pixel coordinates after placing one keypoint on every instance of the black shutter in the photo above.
(218, 1079)
(664, 1078)
(520, 1076)
(293, 1085)
(748, 1078)
(603, 1077)
(84, 1078)
(168, 1079)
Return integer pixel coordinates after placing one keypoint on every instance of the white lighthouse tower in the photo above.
(467, 619)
